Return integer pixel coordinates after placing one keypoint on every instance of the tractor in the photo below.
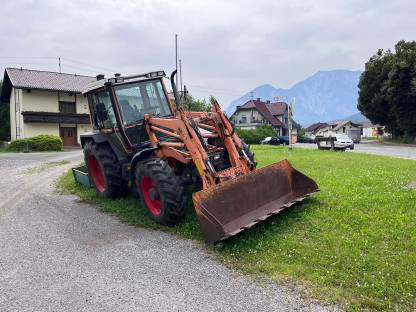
(144, 141)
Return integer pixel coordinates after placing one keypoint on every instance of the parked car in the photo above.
(271, 141)
(344, 140)
(266, 140)
(274, 141)
(306, 140)
(284, 140)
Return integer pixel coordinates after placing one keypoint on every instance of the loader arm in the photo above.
(237, 197)
(184, 127)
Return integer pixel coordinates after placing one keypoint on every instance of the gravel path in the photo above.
(57, 254)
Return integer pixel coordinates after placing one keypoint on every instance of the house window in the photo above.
(243, 119)
(67, 107)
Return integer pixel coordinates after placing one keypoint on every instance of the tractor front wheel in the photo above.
(160, 190)
(104, 170)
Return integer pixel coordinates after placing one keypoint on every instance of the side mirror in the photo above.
(101, 110)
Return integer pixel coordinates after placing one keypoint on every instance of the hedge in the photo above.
(43, 142)
(256, 135)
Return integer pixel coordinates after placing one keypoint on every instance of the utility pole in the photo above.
(180, 74)
(176, 58)
(290, 112)
(59, 64)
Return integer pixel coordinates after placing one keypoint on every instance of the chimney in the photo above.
(258, 99)
(268, 101)
(117, 75)
(100, 76)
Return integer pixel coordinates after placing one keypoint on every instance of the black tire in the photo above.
(164, 195)
(249, 153)
(104, 170)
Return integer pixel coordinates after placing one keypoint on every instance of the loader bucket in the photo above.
(235, 205)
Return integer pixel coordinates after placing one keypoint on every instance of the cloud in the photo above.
(227, 47)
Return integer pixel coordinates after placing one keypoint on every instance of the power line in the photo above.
(232, 92)
(31, 63)
(88, 65)
(79, 67)
(28, 57)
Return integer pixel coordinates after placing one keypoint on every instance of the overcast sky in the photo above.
(227, 47)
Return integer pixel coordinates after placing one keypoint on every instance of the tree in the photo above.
(387, 89)
(4, 119)
(192, 104)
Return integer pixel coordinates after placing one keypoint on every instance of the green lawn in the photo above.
(353, 243)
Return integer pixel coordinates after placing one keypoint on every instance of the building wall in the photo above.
(82, 129)
(43, 101)
(40, 101)
(34, 129)
(16, 119)
(249, 114)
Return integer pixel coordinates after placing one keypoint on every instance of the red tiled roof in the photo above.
(278, 108)
(268, 111)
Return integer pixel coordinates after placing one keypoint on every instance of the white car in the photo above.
(344, 140)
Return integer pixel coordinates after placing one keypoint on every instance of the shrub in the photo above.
(43, 142)
(256, 135)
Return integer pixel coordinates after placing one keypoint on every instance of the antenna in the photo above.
(251, 95)
(59, 64)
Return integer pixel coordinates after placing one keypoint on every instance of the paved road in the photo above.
(401, 151)
(57, 254)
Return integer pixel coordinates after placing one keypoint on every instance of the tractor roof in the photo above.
(117, 79)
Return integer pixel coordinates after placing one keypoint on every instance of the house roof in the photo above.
(268, 110)
(341, 124)
(316, 126)
(42, 80)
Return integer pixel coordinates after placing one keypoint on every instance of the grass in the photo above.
(352, 243)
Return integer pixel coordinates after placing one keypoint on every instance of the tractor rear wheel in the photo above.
(160, 190)
(104, 170)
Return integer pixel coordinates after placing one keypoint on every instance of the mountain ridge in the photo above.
(325, 95)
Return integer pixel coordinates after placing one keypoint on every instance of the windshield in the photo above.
(138, 99)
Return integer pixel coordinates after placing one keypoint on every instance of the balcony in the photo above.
(49, 117)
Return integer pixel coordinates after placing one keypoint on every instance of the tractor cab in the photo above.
(119, 104)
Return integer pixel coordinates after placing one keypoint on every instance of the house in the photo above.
(43, 102)
(256, 113)
(371, 131)
(311, 131)
(353, 130)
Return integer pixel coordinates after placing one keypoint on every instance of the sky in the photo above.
(227, 48)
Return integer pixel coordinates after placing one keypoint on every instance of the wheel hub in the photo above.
(154, 194)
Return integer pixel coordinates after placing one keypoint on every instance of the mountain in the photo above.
(357, 118)
(326, 95)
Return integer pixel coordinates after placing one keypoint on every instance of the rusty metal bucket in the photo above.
(237, 204)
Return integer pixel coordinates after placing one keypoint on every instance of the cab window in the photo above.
(140, 98)
(104, 97)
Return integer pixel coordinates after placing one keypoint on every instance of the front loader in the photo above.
(144, 138)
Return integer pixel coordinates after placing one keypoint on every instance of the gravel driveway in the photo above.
(57, 254)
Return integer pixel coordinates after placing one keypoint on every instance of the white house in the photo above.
(43, 102)
(347, 127)
(255, 113)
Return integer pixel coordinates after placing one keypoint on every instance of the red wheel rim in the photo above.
(96, 173)
(154, 205)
